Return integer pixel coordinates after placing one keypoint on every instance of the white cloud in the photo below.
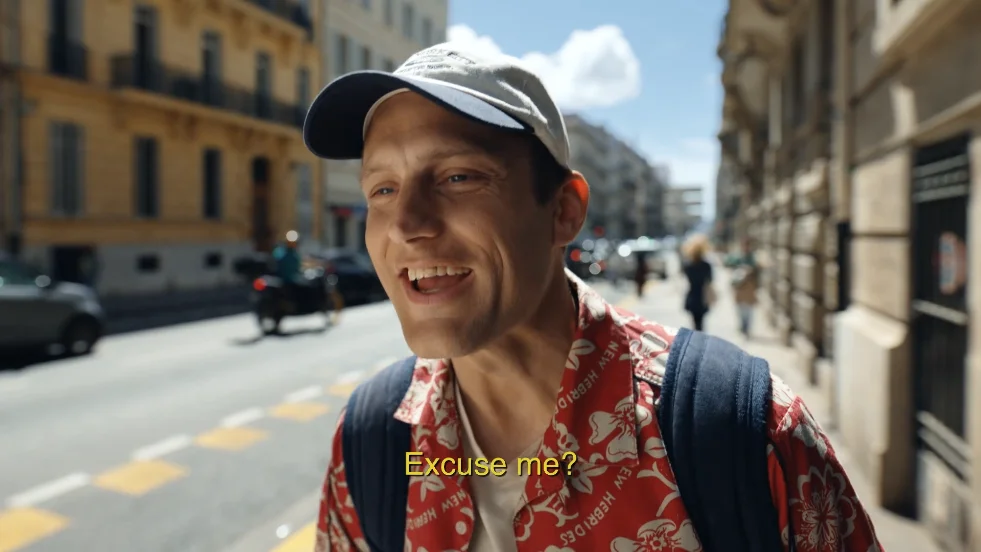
(596, 68)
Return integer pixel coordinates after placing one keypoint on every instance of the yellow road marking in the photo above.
(303, 540)
(22, 526)
(300, 412)
(140, 477)
(230, 438)
(342, 389)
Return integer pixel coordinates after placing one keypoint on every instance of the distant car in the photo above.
(39, 312)
(356, 277)
(654, 252)
(583, 260)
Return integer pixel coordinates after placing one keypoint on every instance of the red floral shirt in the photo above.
(622, 495)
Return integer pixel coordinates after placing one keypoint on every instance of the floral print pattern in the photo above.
(621, 495)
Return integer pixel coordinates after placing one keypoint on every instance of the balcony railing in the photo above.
(290, 10)
(127, 72)
(66, 57)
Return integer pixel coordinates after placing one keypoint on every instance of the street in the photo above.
(202, 437)
(185, 438)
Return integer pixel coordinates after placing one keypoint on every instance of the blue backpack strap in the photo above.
(713, 413)
(374, 444)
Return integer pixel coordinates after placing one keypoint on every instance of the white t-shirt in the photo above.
(496, 499)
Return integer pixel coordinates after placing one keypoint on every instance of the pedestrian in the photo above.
(698, 271)
(745, 281)
(471, 203)
(640, 272)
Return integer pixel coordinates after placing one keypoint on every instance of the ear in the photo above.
(571, 203)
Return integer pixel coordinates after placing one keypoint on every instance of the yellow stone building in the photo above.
(161, 139)
(851, 147)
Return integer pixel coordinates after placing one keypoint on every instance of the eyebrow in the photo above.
(478, 147)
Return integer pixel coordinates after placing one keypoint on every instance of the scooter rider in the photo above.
(288, 261)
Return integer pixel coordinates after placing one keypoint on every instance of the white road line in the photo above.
(241, 418)
(58, 487)
(305, 394)
(353, 376)
(162, 448)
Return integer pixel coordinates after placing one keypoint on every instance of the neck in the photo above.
(509, 388)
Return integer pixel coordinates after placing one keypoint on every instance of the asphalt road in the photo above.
(197, 437)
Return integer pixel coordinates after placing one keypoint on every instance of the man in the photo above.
(287, 258)
(745, 281)
(471, 202)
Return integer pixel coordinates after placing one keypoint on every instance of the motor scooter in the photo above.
(273, 299)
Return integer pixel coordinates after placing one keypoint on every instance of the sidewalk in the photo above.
(896, 533)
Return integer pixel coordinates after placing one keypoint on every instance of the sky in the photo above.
(645, 69)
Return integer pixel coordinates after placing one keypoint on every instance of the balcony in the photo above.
(67, 58)
(199, 89)
(290, 10)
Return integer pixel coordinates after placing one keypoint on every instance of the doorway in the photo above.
(74, 263)
(262, 238)
(941, 182)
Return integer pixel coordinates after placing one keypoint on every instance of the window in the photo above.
(341, 53)
(408, 20)
(212, 260)
(427, 32)
(388, 65)
(263, 84)
(340, 231)
(798, 83)
(304, 199)
(146, 177)
(145, 35)
(390, 13)
(365, 57)
(303, 87)
(211, 67)
(65, 52)
(148, 263)
(66, 169)
(212, 184)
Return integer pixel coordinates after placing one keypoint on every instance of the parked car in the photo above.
(37, 311)
(356, 277)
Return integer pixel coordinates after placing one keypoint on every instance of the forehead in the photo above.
(410, 122)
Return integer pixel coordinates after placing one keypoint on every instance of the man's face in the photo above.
(462, 248)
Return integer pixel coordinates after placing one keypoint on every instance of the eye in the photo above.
(382, 191)
(458, 178)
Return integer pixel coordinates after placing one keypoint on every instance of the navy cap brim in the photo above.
(334, 125)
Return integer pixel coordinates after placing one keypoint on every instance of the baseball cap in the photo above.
(494, 90)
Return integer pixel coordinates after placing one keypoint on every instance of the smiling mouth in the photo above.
(433, 280)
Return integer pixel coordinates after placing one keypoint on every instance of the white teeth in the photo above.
(420, 273)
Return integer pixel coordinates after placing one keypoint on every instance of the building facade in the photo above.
(854, 131)
(159, 140)
(367, 34)
(623, 185)
(682, 209)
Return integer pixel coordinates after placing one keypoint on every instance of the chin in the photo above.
(439, 338)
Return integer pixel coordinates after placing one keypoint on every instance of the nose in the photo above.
(417, 215)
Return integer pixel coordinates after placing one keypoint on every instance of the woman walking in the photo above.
(700, 294)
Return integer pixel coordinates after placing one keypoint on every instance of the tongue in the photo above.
(437, 283)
